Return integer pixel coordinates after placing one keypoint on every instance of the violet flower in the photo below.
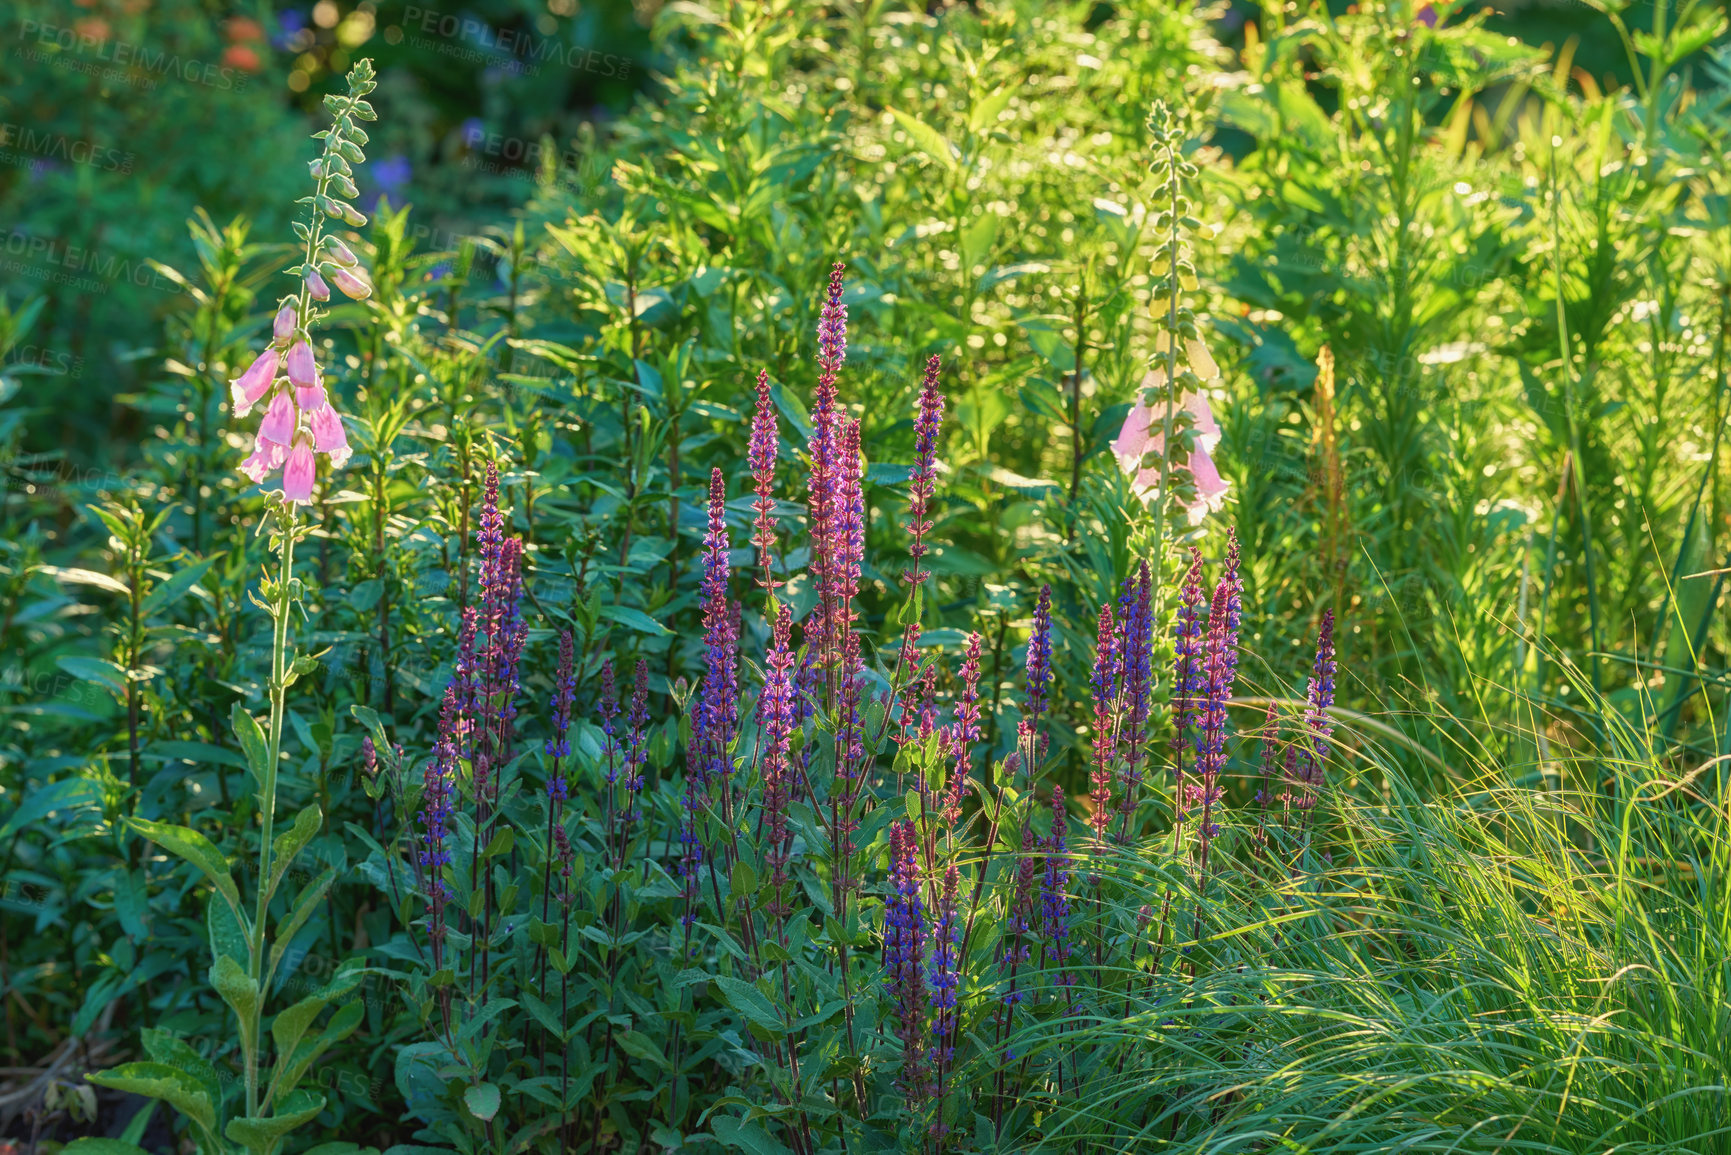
(964, 731)
(923, 481)
(1055, 897)
(637, 728)
(1186, 675)
(1318, 724)
(761, 455)
(946, 980)
(558, 745)
(608, 709)
(775, 715)
(717, 703)
(1135, 659)
(825, 451)
(904, 947)
(1218, 672)
(1104, 686)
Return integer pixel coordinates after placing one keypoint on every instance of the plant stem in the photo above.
(287, 524)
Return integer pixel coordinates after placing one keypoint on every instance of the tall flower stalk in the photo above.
(299, 426)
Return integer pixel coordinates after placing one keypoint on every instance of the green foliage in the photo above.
(1505, 479)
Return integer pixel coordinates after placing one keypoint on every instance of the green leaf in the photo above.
(292, 1024)
(634, 619)
(99, 670)
(66, 794)
(290, 843)
(341, 1025)
(175, 1087)
(750, 1002)
(227, 930)
(101, 1147)
(175, 587)
(194, 848)
(370, 719)
(297, 917)
(641, 1046)
(744, 1136)
(246, 729)
(261, 1136)
(240, 991)
(501, 844)
(482, 1099)
(927, 139)
(744, 882)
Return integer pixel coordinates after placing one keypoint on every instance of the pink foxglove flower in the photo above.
(328, 435)
(246, 389)
(267, 457)
(298, 472)
(282, 330)
(303, 371)
(353, 283)
(279, 420)
(1143, 436)
(316, 287)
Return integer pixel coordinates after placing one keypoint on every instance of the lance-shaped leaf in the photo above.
(291, 1069)
(252, 741)
(289, 845)
(297, 917)
(262, 1136)
(240, 991)
(173, 1086)
(196, 849)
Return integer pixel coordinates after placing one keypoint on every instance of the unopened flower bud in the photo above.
(340, 253)
(351, 216)
(282, 330)
(316, 287)
(345, 186)
(353, 283)
(317, 168)
(331, 207)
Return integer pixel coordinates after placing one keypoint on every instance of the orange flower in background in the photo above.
(241, 56)
(93, 27)
(242, 29)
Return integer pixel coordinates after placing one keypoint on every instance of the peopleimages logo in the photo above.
(531, 49)
(123, 53)
(30, 144)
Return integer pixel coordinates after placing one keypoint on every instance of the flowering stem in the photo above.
(281, 591)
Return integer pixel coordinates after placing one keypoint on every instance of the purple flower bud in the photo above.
(353, 283)
(316, 287)
(340, 253)
(282, 330)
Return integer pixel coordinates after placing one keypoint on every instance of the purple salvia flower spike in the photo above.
(762, 458)
(1104, 686)
(904, 948)
(1318, 725)
(1186, 674)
